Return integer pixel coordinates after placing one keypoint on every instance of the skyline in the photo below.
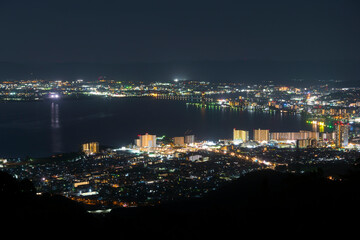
(296, 73)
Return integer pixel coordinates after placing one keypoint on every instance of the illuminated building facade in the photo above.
(283, 136)
(261, 135)
(90, 148)
(138, 142)
(179, 141)
(240, 135)
(341, 135)
(190, 139)
(304, 143)
(146, 141)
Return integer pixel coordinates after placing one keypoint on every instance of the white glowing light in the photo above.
(54, 96)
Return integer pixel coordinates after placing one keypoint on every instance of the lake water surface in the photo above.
(40, 129)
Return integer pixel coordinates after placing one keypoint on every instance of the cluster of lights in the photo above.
(54, 96)
(319, 123)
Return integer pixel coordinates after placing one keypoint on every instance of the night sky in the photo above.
(162, 31)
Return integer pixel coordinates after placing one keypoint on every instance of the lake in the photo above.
(39, 129)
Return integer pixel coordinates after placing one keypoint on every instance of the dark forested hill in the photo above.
(263, 203)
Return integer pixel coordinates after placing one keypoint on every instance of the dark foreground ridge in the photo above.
(263, 203)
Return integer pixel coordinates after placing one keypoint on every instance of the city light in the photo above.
(151, 160)
(54, 96)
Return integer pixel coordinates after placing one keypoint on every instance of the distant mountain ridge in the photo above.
(244, 71)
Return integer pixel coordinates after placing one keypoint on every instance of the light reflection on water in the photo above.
(55, 123)
(55, 129)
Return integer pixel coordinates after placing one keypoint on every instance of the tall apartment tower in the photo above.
(240, 135)
(179, 141)
(261, 135)
(189, 139)
(90, 148)
(147, 140)
(341, 135)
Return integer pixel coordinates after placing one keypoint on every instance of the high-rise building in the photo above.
(179, 141)
(146, 141)
(341, 135)
(138, 142)
(240, 135)
(326, 136)
(190, 139)
(261, 135)
(303, 143)
(282, 136)
(313, 135)
(90, 148)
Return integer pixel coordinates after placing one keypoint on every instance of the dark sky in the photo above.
(162, 31)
